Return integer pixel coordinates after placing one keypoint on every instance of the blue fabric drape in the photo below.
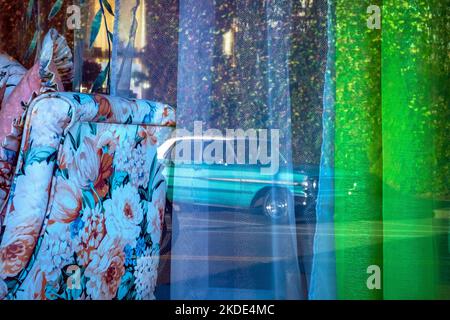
(287, 281)
(190, 247)
(323, 278)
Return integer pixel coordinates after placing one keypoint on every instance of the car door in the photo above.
(218, 183)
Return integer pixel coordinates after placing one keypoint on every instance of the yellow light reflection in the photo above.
(228, 43)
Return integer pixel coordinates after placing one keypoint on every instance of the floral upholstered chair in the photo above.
(85, 213)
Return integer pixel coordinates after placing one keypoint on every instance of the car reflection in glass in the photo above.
(235, 185)
(228, 215)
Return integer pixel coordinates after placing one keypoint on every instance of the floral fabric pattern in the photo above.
(85, 214)
(11, 72)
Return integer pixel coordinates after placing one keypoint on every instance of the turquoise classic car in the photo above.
(229, 184)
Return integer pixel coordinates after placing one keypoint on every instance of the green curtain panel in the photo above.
(358, 162)
(392, 150)
(415, 145)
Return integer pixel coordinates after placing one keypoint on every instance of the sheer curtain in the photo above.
(323, 275)
(190, 267)
(244, 84)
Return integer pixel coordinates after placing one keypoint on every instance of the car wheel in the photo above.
(276, 204)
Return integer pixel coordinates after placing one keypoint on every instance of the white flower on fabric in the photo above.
(105, 270)
(154, 223)
(32, 189)
(140, 166)
(146, 273)
(123, 213)
(56, 251)
(18, 243)
(92, 232)
(86, 166)
(67, 202)
(136, 161)
(108, 139)
(48, 123)
(123, 156)
(35, 285)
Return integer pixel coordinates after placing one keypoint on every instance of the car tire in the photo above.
(276, 204)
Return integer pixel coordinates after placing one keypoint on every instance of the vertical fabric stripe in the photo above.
(415, 143)
(323, 275)
(358, 159)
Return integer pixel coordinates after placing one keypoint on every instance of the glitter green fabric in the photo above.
(358, 150)
(392, 150)
(415, 144)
